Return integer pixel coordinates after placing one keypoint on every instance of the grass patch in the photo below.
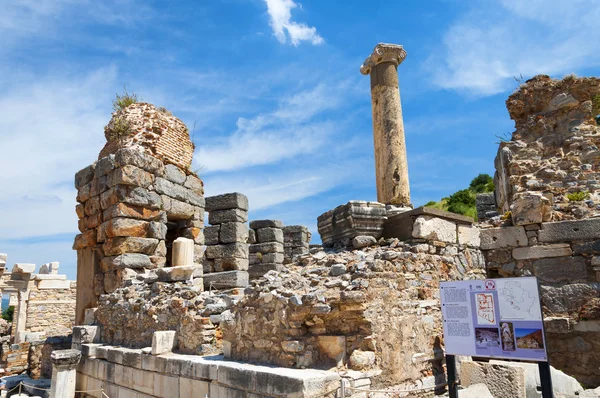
(124, 100)
(578, 196)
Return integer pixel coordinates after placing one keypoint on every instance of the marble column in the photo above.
(391, 165)
(20, 316)
(64, 373)
(183, 252)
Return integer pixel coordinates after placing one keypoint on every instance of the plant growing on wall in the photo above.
(124, 100)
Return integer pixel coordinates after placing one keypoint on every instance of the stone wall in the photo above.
(565, 257)
(338, 310)
(135, 373)
(40, 365)
(51, 311)
(13, 357)
(131, 209)
(554, 150)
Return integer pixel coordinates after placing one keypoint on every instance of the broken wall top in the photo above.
(154, 130)
(554, 149)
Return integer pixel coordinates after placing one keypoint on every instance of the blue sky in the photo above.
(272, 92)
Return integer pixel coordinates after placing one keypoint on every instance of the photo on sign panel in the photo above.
(507, 336)
(487, 337)
(529, 338)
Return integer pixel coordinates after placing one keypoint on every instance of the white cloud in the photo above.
(280, 13)
(289, 131)
(493, 43)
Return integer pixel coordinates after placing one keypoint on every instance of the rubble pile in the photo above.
(336, 309)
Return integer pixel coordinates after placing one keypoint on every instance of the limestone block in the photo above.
(136, 157)
(433, 228)
(195, 184)
(23, 268)
(175, 191)
(86, 239)
(157, 230)
(163, 342)
(3, 258)
(530, 208)
(231, 264)
(130, 175)
(264, 235)
(89, 349)
(92, 206)
(126, 227)
(232, 215)
(86, 334)
(174, 174)
(53, 284)
(231, 250)
(568, 298)
(121, 245)
(561, 269)
(131, 211)
(562, 100)
(258, 270)
(557, 324)
(587, 247)
(41, 277)
(257, 224)
(363, 241)
(478, 390)
(496, 238)
(89, 317)
(227, 201)
(180, 210)
(85, 175)
(533, 252)
(333, 347)
(228, 279)
(179, 273)
(183, 252)
(231, 232)
(469, 235)
(126, 260)
(562, 231)
(211, 234)
(503, 381)
(191, 388)
(104, 166)
(270, 247)
(272, 258)
(361, 360)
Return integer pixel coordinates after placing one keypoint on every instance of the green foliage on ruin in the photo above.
(578, 196)
(119, 129)
(596, 108)
(463, 201)
(8, 313)
(124, 100)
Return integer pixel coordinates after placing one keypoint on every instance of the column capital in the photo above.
(65, 358)
(383, 52)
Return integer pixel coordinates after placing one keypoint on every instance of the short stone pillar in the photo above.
(391, 165)
(266, 247)
(296, 242)
(183, 252)
(64, 373)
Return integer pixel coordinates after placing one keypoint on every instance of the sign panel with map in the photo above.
(495, 318)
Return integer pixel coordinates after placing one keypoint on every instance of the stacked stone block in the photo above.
(132, 206)
(226, 263)
(266, 247)
(339, 226)
(296, 242)
(485, 203)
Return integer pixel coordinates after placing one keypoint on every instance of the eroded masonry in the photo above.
(179, 296)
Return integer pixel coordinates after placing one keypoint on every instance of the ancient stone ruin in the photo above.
(170, 307)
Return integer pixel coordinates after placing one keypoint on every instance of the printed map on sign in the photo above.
(486, 315)
(519, 299)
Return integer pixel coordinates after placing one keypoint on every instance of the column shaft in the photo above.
(391, 165)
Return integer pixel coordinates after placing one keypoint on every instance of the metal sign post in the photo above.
(451, 369)
(545, 379)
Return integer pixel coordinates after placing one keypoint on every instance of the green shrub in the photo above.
(8, 313)
(596, 108)
(578, 196)
(482, 183)
(431, 203)
(124, 100)
(120, 128)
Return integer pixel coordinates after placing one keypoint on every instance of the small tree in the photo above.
(124, 100)
(482, 183)
(8, 313)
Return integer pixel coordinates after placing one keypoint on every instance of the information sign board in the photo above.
(495, 318)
